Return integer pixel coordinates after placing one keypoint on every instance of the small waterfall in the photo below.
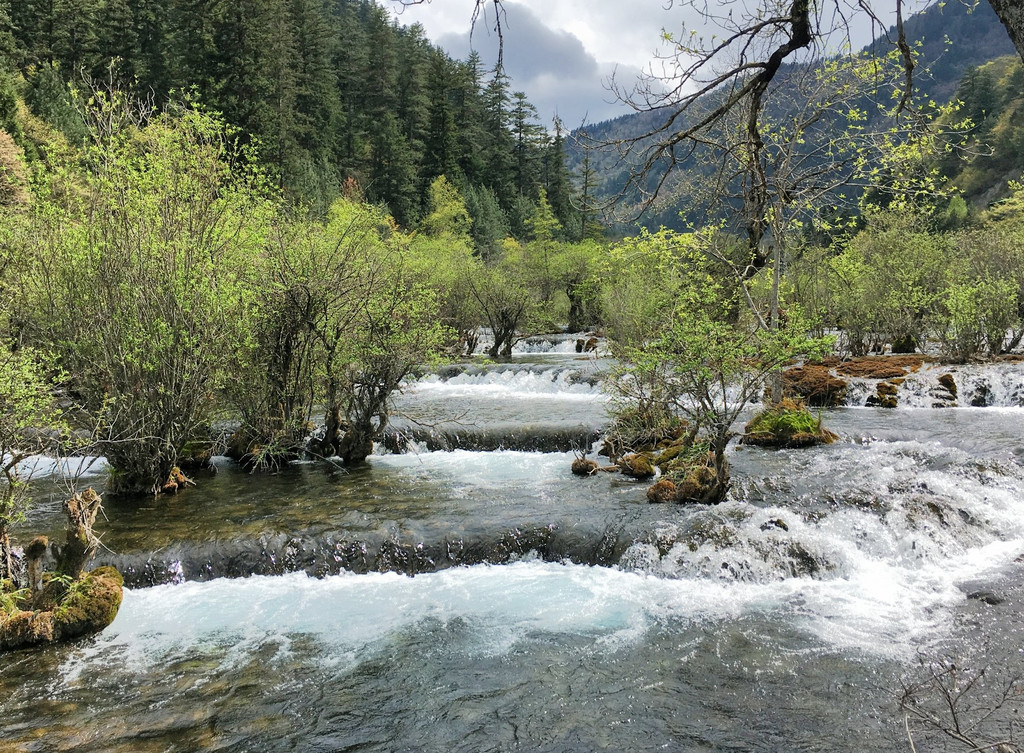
(988, 385)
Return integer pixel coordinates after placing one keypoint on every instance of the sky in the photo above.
(563, 53)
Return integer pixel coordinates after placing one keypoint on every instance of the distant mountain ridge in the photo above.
(950, 40)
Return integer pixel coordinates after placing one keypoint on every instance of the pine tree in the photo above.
(529, 136)
(392, 172)
(497, 145)
(117, 39)
(10, 49)
(557, 184)
(442, 148)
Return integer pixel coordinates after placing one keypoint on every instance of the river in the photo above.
(472, 595)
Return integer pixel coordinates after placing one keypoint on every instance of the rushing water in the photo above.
(545, 612)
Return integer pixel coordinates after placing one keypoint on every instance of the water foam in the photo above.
(523, 384)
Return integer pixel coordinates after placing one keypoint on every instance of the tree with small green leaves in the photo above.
(136, 270)
(26, 406)
(685, 357)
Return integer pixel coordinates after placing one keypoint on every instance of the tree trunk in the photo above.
(1011, 13)
(81, 511)
(775, 379)
(331, 443)
(6, 560)
(357, 444)
(575, 310)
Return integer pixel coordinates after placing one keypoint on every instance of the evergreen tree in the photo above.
(558, 186)
(441, 155)
(392, 172)
(529, 137)
(490, 226)
(497, 146)
(318, 118)
(470, 117)
(10, 50)
(117, 39)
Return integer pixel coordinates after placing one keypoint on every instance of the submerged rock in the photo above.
(63, 612)
(986, 596)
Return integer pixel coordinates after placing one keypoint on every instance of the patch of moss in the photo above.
(639, 465)
(83, 607)
(816, 385)
(787, 424)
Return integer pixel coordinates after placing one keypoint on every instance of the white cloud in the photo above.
(562, 52)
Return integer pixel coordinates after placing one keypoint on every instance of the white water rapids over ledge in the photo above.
(774, 621)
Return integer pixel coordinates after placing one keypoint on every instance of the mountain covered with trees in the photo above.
(950, 43)
(332, 91)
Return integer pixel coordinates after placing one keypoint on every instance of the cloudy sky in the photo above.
(562, 53)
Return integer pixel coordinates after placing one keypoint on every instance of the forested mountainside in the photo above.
(332, 91)
(953, 43)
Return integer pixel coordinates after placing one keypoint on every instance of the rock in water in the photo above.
(584, 467)
(637, 465)
(86, 606)
(662, 491)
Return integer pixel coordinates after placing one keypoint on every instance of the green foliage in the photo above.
(26, 405)
(889, 277)
(330, 91)
(138, 276)
(447, 215)
(684, 352)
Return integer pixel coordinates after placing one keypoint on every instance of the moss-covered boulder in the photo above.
(885, 396)
(786, 424)
(63, 611)
(196, 456)
(815, 384)
(702, 484)
(638, 465)
(661, 492)
(584, 467)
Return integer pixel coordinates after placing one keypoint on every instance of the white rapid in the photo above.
(781, 619)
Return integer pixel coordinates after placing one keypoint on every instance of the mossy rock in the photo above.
(65, 613)
(884, 397)
(886, 388)
(661, 492)
(669, 453)
(786, 425)
(195, 456)
(584, 467)
(638, 465)
(949, 383)
(701, 485)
